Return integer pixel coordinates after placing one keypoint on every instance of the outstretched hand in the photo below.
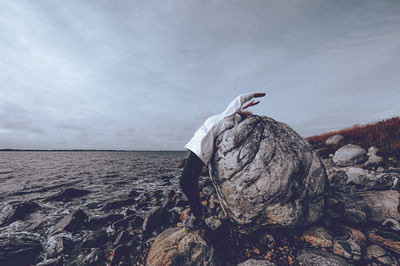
(252, 103)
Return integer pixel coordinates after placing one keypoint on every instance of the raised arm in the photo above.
(237, 104)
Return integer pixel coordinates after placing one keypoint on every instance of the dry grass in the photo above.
(385, 135)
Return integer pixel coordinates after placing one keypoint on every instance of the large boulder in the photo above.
(19, 250)
(266, 175)
(176, 246)
(17, 211)
(350, 155)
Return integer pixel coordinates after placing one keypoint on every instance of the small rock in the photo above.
(357, 176)
(156, 217)
(213, 223)
(318, 237)
(389, 240)
(357, 236)
(374, 160)
(122, 238)
(118, 204)
(338, 179)
(17, 211)
(392, 224)
(95, 257)
(334, 140)
(208, 190)
(372, 151)
(68, 194)
(350, 155)
(19, 250)
(253, 262)
(348, 249)
(315, 257)
(178, 247)
(132, 220)
(72, 222)
(378, 254)
(58, 244)
(118, 255)
(52, 262)
(94, 240)
(266, 240)
(384, 181)
(184, 214)
(103, 221)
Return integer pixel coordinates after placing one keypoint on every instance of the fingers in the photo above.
(259, 94)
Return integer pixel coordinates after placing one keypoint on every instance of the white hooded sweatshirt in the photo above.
(202, 143)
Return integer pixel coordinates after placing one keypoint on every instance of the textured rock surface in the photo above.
(13, 212)
(377, 205)
(265, 174)
(387, 239)
(253, 262)
(174, 246)
(318, 237)
(19, 251)
(72, 222)
(315, 257)
(350, 155)
(334, 140)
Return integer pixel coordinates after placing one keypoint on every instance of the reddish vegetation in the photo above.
(385, 135)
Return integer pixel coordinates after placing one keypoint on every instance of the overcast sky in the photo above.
(135, 74)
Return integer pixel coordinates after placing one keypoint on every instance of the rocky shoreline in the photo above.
(359, 225)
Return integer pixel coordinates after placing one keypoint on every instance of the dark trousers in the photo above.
(189, 183)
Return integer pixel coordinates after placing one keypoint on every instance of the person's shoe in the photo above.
(191, 223)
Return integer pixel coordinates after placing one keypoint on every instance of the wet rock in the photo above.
(253, 262)
(318, 237)
(118, 204)
(19, 250)
(348, 249)
(389, 240)
(156, 217)
(266, 175)
(72, 222)
(350, 155)
(334, 140)
(122, 238)
(68, 194)
(58, 244)
(95, 257)
(177, 247)
(52, 262)
(377, 254)
(132, 220)
(377, 205)
(315, 257)
(103, 221)
(16, 211)
(94, 240)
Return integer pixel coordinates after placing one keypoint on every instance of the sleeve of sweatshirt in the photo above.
(236, 104)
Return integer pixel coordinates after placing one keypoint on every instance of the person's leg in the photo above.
(189, 183)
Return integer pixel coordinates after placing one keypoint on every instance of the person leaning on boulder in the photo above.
(201, 148)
